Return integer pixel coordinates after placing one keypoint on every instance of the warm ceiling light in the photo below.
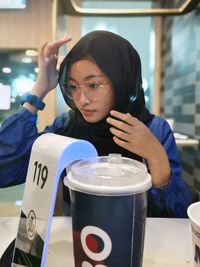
(31, 53)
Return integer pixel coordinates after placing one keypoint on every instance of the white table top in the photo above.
(187, 142)
(168, 242)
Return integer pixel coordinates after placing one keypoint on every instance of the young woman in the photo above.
(101, 82)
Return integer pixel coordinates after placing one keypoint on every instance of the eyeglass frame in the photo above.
(81, 86)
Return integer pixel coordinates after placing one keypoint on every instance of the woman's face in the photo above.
(91, 90)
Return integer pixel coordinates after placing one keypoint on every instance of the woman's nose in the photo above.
(82, 97)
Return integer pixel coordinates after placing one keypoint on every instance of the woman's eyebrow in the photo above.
(71, 79)
(91, 76)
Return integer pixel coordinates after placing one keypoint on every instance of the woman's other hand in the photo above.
(133, 135)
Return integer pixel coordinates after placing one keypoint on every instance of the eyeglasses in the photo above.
(90, 88)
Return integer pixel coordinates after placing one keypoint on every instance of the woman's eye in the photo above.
(93, 85)
(72, 87)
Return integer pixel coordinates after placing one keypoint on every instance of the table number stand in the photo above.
(50, 154)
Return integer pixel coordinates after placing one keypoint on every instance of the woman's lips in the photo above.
(87, 112)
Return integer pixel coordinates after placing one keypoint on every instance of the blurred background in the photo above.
(165, 33)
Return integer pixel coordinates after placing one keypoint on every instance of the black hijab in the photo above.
(117, 58)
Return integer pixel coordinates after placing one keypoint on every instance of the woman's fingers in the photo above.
(127, 118)
(123, 143)
(120, 125)
(130, 133)
(51, 49)
(121, 134)
(124, 122)
(59, 62)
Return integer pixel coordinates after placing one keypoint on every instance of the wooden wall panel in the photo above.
(157, 75)
(27, 27)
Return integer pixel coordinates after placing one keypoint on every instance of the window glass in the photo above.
(18, 70)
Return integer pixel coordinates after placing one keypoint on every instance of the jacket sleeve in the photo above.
(17, 135)
(173, 199)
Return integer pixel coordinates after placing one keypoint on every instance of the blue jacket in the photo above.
(19, 131)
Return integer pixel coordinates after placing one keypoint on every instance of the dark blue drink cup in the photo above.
(109, 205)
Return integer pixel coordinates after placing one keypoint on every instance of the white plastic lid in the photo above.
(193, 212)
(109, 175)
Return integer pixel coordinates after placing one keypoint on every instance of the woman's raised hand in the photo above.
(48, 63)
